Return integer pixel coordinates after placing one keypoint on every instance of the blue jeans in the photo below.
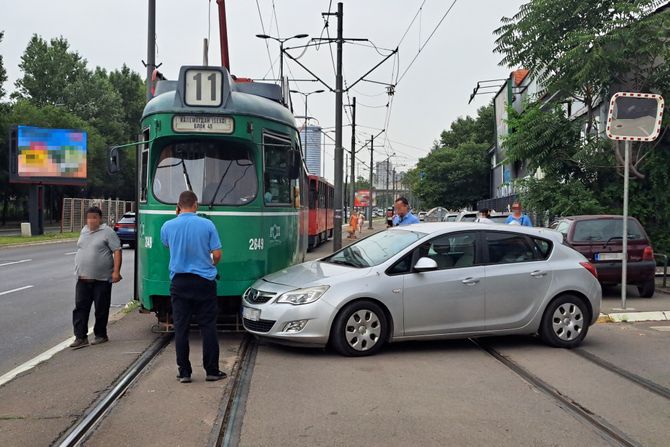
(194, 295)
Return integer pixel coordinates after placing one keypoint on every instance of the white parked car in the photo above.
(430, 280)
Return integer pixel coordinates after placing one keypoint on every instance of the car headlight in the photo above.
(302, 296)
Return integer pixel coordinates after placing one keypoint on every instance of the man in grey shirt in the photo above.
(97, 266)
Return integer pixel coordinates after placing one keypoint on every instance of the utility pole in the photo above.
(394, 188)
(339, 150)
(352, 196)
(151, 46)
(386, 193)
(346, 190)
(372, 158)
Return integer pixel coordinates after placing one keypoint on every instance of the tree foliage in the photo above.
(474, 130)
(3, 72)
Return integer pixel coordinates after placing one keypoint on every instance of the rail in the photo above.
(664, 257)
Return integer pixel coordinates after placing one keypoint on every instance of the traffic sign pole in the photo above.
(624, 262)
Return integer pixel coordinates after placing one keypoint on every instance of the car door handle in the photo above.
(470, 281)
(538, 273)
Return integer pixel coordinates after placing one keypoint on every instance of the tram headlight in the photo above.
(302, 296)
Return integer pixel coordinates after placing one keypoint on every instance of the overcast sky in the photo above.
(431, 94)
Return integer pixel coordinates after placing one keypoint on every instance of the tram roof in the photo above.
(239, 98)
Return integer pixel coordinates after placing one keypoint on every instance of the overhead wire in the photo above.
(267, 45)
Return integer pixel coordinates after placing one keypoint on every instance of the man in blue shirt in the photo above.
(517, 218)
(403, 216)
(195, 249)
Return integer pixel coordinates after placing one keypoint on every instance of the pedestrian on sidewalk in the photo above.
(403, 216)
(195, 250)
(361, 222)
(484, 216)
(353, 225)
(97, 265)
(517, 217)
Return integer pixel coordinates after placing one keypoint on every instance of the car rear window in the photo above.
(127, 219)
(603, 230)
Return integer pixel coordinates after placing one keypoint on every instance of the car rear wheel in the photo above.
(647, 288)
(359, 329)
(565, 322)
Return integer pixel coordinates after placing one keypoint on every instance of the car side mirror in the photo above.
(425, 265)
(114, 161)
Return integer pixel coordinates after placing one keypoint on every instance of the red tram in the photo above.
(321, 199)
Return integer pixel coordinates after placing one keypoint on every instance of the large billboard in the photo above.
(47, 156)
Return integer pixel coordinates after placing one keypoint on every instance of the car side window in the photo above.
(452, 250)
(541, 248)
(508, 248)
(402, 266)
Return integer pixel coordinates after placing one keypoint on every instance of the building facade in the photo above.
(310, 137)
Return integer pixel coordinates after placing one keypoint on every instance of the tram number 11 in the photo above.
(203, 88)
(255, 244)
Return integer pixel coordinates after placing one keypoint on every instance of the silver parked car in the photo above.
(430, 281)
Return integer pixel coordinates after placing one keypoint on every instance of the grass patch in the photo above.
(130, 306)
(18, 240)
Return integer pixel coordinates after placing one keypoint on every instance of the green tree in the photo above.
(583, 48)
(452, 177)
(49, 70)
(472, 130)
(130, 87)
(3, 72)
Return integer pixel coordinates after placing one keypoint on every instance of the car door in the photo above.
(518, 276)
(452, 298)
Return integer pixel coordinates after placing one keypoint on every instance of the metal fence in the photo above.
(73, 216)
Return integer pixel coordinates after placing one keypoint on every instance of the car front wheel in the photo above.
(565, 322)
(359, 329)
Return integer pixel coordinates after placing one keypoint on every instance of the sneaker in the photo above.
(184, 379)
(219, 375)
(99, 340)
(79, 343)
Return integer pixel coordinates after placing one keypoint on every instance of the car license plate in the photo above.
(609, 256)
(251, 314)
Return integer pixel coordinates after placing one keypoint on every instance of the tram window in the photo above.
(277, 180)
(312, 194)
(224, 168)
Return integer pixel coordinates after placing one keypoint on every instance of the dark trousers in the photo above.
(86, 294)
(194, 295)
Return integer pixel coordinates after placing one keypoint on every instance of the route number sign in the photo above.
(203, 88)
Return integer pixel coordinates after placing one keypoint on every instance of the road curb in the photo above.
(634, 317)
(29, 244)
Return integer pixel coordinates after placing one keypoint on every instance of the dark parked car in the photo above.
(599, 239)
(126, 229)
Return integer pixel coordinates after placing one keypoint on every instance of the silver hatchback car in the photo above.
(430, 281)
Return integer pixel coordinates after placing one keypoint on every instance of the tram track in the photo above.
(87, 423)
(228, 426)
(599, 425)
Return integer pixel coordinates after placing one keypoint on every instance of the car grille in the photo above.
(254, 296)
(258, 326)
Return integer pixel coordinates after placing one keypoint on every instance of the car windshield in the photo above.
(497, 219)
(218, 172)
(469, 218)
(375, 249)
(603, 230)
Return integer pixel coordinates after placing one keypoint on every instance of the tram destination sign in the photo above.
(203, 124)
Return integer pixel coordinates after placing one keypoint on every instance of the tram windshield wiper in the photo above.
(187, 179)
(218, 186)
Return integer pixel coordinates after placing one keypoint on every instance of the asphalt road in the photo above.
(37, 298)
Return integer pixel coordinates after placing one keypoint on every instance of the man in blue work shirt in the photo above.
(517, 218)
(195, 249)
(403, 216)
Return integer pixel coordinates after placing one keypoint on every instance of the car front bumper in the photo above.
(274, 318)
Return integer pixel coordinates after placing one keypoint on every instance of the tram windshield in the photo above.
(219, 172)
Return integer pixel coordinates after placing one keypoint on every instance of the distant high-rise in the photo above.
(311, 143)
(383, 174)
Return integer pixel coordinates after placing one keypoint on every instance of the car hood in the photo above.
(312, 273)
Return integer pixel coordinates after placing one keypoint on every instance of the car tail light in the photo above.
(116, 227)
(591, 268)
(648, 254)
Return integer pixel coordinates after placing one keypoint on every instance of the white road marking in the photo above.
(71, 253)
(660, 328)
(15, 262)
(15, 290)
(30, 364)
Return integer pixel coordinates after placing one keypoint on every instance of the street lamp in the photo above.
(281, 41)
(305, 95)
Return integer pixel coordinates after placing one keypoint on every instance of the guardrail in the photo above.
(664, 257)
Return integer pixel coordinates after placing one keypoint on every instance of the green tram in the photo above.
(236, 145)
